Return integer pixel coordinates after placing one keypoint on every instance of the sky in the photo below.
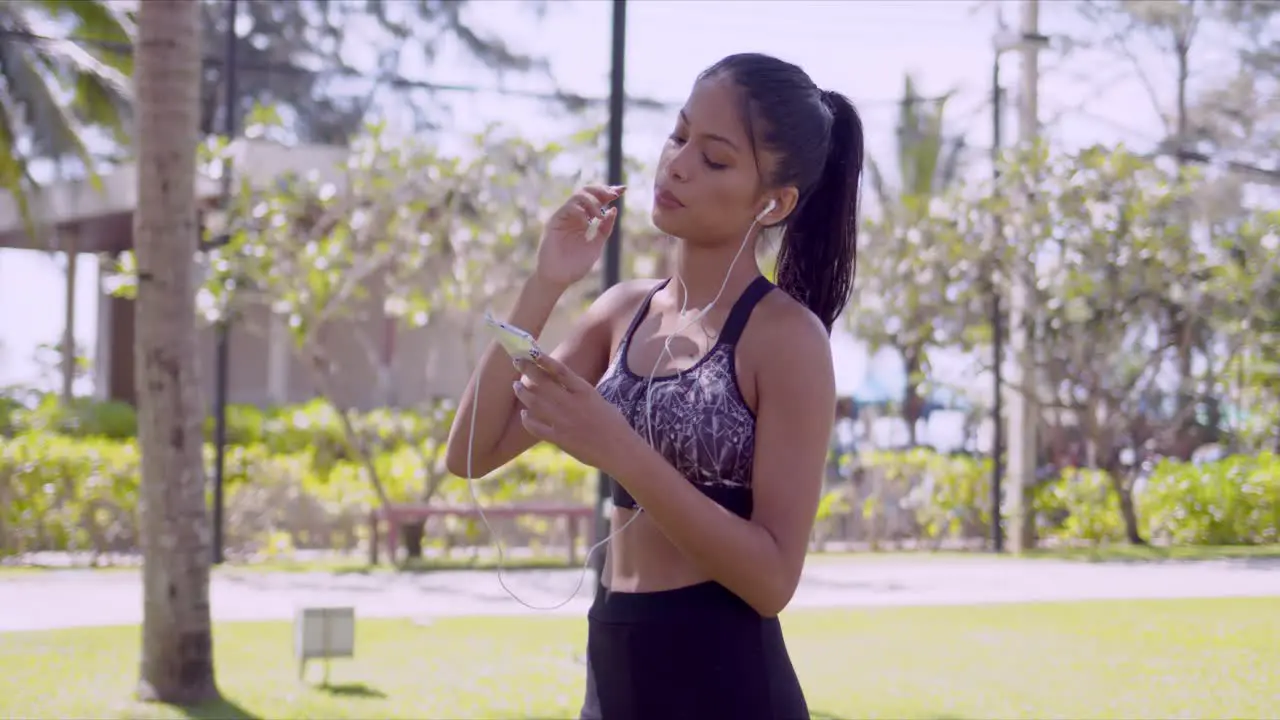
(862, 48)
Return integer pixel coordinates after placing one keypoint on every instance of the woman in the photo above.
(739, 411)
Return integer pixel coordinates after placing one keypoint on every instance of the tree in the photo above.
(57, 96)
(1247, 315)
(906, 265)
(177, 651)
(401, 235)
(1106, 227)
(1234, 114)
(295, 56)
(55, 92)
(394, 236)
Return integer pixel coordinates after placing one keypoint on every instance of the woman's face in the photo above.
(708, 187)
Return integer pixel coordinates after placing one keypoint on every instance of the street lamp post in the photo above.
(222, 359)
(613, 248)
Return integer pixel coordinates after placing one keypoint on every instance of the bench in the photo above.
(395, 516)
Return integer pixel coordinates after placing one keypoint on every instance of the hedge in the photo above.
(924, 496)
(60, 493)
(69, 481)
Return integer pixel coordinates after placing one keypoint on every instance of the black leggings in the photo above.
(694, 652)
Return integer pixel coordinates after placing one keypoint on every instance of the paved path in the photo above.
(84, 598)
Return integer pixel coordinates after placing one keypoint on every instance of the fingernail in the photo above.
(515, 385)
(619, 189)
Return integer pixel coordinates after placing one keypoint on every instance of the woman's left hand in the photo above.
(565, 410)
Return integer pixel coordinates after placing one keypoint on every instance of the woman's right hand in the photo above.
(565, 254)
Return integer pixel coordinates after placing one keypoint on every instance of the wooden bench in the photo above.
(397, 515)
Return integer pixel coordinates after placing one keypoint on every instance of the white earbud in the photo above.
(767, 209)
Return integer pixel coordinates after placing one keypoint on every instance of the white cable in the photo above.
(666, 346)
(475, 498)
(666, 350)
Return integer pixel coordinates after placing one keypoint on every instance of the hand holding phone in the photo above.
(518, 343)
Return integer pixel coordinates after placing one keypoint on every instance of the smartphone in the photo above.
(517, 342)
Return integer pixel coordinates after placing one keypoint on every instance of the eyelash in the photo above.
(713, 165)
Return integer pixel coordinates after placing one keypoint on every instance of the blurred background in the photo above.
(1064, 339)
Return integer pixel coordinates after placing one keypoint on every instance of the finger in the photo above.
(605, 194)
(525, 395)
(533, 377)
(560, 373)
(538, 379)
(589, 205)
(606, 225)
(534, 426)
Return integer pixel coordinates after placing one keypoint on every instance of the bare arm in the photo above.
(500, 436)
(759, 559)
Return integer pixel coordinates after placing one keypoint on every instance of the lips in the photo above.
(664, 199)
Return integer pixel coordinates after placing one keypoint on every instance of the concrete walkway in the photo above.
(78, 598)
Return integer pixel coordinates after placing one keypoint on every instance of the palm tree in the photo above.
(64, 71)
(53, 91)
(902, 279)
(928, 160)
(177, 653)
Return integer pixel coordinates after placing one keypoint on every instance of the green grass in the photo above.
(1150, 659)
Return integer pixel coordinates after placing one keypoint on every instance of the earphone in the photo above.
(767, 209)
(666, 350)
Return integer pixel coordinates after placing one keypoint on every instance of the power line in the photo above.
(397, 81)
(566, 97)
(401, 82)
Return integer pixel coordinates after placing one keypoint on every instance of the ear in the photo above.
(785, 200)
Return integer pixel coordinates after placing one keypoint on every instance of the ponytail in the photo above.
(818, 257)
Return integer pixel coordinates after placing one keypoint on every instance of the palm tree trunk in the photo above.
(177, 652)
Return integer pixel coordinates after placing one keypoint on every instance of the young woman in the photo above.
(708, 397)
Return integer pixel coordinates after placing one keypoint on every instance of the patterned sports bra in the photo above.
(701, 423)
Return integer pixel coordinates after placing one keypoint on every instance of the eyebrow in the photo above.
(712, 136)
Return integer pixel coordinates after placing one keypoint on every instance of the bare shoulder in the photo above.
(611, 312)
(779, 321)
(624, 298)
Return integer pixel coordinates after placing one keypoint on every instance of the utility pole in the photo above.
(997, 324)
(1023, 411)
(613, 248)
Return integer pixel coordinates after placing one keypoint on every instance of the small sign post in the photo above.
(322, 633)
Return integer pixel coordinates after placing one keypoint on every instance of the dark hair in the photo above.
(817, 136)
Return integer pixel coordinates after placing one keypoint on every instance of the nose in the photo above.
(678, 166)
(677, 173)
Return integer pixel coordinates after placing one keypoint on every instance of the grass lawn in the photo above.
(1150, 659)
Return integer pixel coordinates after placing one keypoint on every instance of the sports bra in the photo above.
(701, 422)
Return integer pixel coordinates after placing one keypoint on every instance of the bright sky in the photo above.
(862, 48)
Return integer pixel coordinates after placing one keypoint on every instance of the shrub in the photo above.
(949, 495)
(69, 481)
(64, 493)
(1080, 505)
(58, 492)
(1234, 501)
